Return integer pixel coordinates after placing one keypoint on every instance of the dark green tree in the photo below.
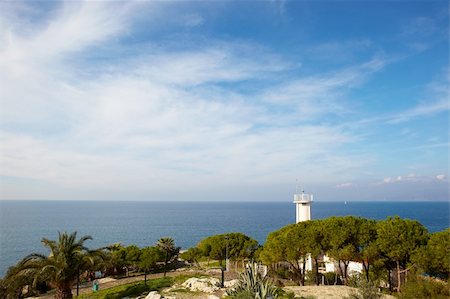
(132, 256)
(315, 242)
(240, 247)
(434, 258)
(287, 245)
(342, 235)
(398, 239)
(192, 255)
(367, 248)
(167, 245)
(148, 259)
(116, 258)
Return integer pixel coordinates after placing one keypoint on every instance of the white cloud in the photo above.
(157, 119)
(413, 178)
(345, 185)
(163, 116)
(435, 101)
(314, 96)
(441, 177)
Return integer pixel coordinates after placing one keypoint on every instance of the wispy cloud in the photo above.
(412, 177)
(162, 117)
(345, 185)
(210, 113)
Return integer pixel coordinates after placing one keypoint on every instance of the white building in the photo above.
(303, 213)
(303, 206)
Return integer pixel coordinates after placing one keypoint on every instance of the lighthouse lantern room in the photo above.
(303, 206)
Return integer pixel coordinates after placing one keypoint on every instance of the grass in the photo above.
(132, 289)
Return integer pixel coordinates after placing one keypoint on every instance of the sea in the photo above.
(24, 223)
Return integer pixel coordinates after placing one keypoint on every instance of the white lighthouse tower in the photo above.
(303, 206)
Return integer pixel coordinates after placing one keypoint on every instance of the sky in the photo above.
(224, 100)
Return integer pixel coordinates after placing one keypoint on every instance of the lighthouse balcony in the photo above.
(302, 198)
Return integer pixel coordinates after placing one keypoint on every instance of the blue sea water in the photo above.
(24, 223)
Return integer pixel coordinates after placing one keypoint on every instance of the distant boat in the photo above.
(345, 202)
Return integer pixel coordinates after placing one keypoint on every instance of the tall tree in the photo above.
(148, 258)
(368, 251)
(399, 239)
(240, 247)
(315, 243)
(132, 255)
(434, 258)
(287, 245)
(192, 255)
(116, 258)
(61, 266)
(342, 235)
(167, 245)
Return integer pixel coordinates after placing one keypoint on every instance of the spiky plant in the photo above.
(167, 245)
(252, 283)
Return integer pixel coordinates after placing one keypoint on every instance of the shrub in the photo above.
(365, 289)
(418, 288)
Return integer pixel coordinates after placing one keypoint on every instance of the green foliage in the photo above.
(67, 257)
(434, 258)
(149, 257)
(287, 245)
(14, 281)
(365, 289)
(399, 238)
(167, 245)
(130, 290)
(132, 255)
(116, 258)
(192, 255)
(252, 285)
(330, 278)
(421, 288)
(240, 246)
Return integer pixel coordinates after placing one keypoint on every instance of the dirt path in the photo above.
(325, 292)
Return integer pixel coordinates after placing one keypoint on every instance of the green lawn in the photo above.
(132, 289)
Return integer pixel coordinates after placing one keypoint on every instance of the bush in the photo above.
(331, 278)
(365, 289)
(418, 288)
(283, 272)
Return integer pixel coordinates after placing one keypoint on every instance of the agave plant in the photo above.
(253, 285)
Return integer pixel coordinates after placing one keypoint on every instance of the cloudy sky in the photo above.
(224, 100)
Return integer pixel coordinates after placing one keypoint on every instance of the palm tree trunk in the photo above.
(78, 280)
(165, 264)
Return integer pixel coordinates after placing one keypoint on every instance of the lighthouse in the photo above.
(303, 206)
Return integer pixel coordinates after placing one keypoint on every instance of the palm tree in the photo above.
(168, 246)
(62, 267)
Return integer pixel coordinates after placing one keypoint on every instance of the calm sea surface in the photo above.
(24, 223)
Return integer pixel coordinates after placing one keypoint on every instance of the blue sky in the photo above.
(224, 100)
